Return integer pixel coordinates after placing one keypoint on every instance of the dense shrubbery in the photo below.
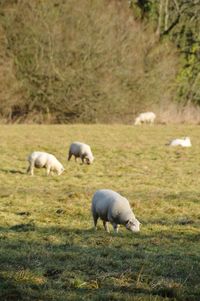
(180, 21)
(86, 62)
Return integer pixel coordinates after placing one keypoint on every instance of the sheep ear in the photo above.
(127, 221)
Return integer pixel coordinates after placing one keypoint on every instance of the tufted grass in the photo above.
(49, 250)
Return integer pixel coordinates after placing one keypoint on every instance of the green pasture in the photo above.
(48, 248)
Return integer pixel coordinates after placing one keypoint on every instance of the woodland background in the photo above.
(99, 61)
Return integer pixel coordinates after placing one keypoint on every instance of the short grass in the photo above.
(48, 248)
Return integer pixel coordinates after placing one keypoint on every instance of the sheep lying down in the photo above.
(44, 160)
(81, 150)
(110, 206)
(184, 142)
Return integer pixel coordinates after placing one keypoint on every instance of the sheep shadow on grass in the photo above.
(13, 171)
(95, 265)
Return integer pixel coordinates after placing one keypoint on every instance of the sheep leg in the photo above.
(115, 227)
(48, 170)
(95, 218)
(31, 168)
(106, 226)
(69, 156)
(82, 158)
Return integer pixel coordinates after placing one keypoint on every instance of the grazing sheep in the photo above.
(44, 160)
(148, 117)
(184, 142)
(110, 206)
(81, 150)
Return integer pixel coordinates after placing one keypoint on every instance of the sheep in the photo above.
(184, 142)
(44, 160)
(148, 117)
(110, 206)
(81, 150)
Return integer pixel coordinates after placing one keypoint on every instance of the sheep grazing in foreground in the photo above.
(81, 150)
(110, 206)
(148, 117)
(184, 142)
(44, 160)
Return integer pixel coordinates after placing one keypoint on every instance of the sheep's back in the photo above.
(109, 203)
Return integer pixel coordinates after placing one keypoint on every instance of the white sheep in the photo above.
(184, 142)
(148, 117)
(81, 150)
(44, 160)
(110, 206)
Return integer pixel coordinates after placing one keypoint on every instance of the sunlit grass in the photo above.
(49, 250)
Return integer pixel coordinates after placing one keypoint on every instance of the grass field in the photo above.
(48, 248)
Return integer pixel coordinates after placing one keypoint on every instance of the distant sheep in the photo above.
(44, 160)
(110, 206)
(81, 150)
(148, 117)
(184, 142)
